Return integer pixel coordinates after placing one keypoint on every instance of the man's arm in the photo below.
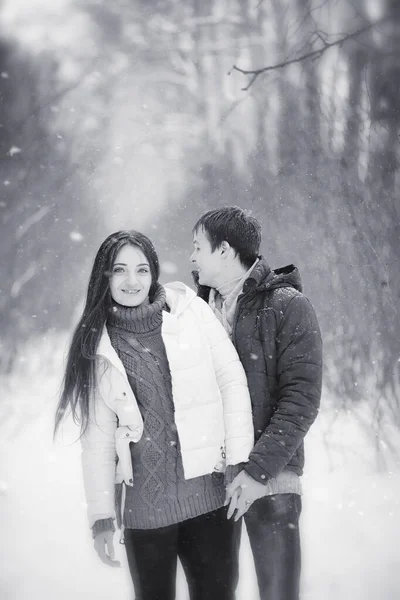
(299, 381)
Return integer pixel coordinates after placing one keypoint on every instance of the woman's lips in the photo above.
(131, 292)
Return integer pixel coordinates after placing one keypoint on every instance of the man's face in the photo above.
(208, 264)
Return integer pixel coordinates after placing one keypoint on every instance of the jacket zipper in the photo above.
(235, 317)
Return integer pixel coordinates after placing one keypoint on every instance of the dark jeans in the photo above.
(273, 527)
(206, 547)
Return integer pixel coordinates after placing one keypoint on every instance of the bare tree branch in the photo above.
(313, 54)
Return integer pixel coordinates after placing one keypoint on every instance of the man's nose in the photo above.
(192, 258)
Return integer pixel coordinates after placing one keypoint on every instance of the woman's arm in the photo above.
(232, 382)
(99, 460)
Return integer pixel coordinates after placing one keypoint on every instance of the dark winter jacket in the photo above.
(278, 339)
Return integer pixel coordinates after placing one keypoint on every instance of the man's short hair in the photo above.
(236, 226)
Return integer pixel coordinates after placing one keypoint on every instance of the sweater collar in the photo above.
(231, 289)
(139, 319)
(224, 299)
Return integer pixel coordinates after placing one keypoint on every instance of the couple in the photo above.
(180, 438)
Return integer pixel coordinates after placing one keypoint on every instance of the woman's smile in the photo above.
(126, 291)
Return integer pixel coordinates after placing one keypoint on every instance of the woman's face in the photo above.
(130, 279)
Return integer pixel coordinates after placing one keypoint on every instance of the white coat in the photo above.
(210, 394)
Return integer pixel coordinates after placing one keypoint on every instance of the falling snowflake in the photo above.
(75, 236)
(4, 486)
(14, 150)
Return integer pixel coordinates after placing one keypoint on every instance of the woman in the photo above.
(164, 406)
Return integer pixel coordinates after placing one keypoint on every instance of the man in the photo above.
(276, 334)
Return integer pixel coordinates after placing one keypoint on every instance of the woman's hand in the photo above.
(103, 539)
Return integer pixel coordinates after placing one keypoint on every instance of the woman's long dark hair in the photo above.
(80, 374)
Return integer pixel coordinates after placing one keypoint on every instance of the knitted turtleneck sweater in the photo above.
(160, 495)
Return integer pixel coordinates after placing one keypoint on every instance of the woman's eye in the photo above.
(118, 270)
(143, 271)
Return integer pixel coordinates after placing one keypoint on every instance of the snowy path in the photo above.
(350, 522)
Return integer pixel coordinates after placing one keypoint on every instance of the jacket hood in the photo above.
(262, 278)
(179, 296)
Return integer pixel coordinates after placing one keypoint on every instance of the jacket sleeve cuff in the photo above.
(232, 471)
(257, 472)
(102, 525)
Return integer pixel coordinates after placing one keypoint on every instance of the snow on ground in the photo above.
(350, 522)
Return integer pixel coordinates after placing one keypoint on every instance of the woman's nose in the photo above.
(192, 258)
(132, 280)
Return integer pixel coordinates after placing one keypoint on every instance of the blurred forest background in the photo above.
(131, 114)
(143, 114)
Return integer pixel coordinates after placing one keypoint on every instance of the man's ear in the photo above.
(224, 248)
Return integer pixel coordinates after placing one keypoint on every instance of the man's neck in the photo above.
(233, 273)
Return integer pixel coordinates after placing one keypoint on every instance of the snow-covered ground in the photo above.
(350, 521)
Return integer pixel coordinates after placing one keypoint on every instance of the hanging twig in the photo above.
(313, 54)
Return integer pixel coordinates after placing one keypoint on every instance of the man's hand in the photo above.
(241, 493)
(103, 539)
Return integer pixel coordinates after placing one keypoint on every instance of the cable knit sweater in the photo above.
(160, 495)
